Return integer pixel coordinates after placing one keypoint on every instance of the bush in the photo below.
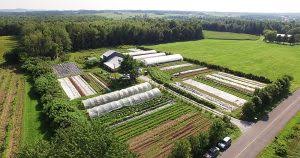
(281, 148)
(91, 63)
(181, 149)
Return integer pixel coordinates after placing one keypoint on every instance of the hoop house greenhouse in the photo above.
(132, 100)
(113, 96)
(141, 57)
(162, 59)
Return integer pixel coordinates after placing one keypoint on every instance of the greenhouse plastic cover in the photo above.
(140, 57)
(142, 52)
(132, 100)
(113, 96)
(162, 59)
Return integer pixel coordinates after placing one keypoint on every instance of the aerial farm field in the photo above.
(256, 57)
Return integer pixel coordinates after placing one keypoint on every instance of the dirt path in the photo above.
(15, 135)
(255, 139)
(6, 113)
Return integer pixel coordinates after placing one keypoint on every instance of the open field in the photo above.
(290, 136)
(228, 35)
(257, 57)
(12, 94)
(6, 44)
(154, 135)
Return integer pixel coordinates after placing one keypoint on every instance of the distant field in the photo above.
(228, 35)
(257, 57)
(6, 43)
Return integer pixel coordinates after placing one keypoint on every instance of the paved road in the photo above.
(253, 141)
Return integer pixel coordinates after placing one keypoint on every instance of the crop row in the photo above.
(131, 111)
(96, 86)
(135, 128)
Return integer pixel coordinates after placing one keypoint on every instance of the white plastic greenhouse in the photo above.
(113, 96)
(162, 59)
(132, 100)
(141, 57)
(142, 52)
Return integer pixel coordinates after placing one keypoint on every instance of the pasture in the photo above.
(256, 57)
(228, 35)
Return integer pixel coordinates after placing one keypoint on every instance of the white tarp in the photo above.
(162, 59)
(113, 96)
(176, 66)
(141, 57)
(69, 88)
(132, 100)
(243, 79)
(141, 52)
(85, 88)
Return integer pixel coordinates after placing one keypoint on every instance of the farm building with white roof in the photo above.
(112, 59)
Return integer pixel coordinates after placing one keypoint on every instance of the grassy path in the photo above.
(32, 125)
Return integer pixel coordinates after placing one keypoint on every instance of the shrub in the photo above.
(281, 148)
(181, 149)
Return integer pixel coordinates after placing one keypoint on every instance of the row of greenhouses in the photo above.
(116, 95)
(101, 109)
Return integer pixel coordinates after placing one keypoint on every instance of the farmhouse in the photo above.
(283, 35)
(112, 59)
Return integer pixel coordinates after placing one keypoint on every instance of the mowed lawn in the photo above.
(6, 44)
(257, 57)
(228, 35)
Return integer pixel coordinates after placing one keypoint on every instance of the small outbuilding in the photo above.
(112, 59)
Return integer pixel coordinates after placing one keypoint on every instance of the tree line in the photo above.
(54, 37)
(249, 26)
(266, 98)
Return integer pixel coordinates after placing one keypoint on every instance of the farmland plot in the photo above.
(66, 70)
(223, 105)
(155, 134)
(82, 86)
(176, 66)
(216, 92)
(191, 72)
(12, 93)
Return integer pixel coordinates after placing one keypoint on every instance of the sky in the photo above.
(288, 6)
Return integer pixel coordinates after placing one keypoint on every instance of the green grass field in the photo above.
(228, 35)
(7, 43)
(290, 136)
(32, 124)
(257, 57)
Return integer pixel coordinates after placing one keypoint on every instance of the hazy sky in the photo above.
(192, 5)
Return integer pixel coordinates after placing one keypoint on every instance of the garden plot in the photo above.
(243, 79)
(231, 84)
(129, 101)
(97, 85)
(223, 105)
(192, 72)
(216, 92)
(176, 66)
(154, 135)
(66, 70)
(69, 88)
(82, 86)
